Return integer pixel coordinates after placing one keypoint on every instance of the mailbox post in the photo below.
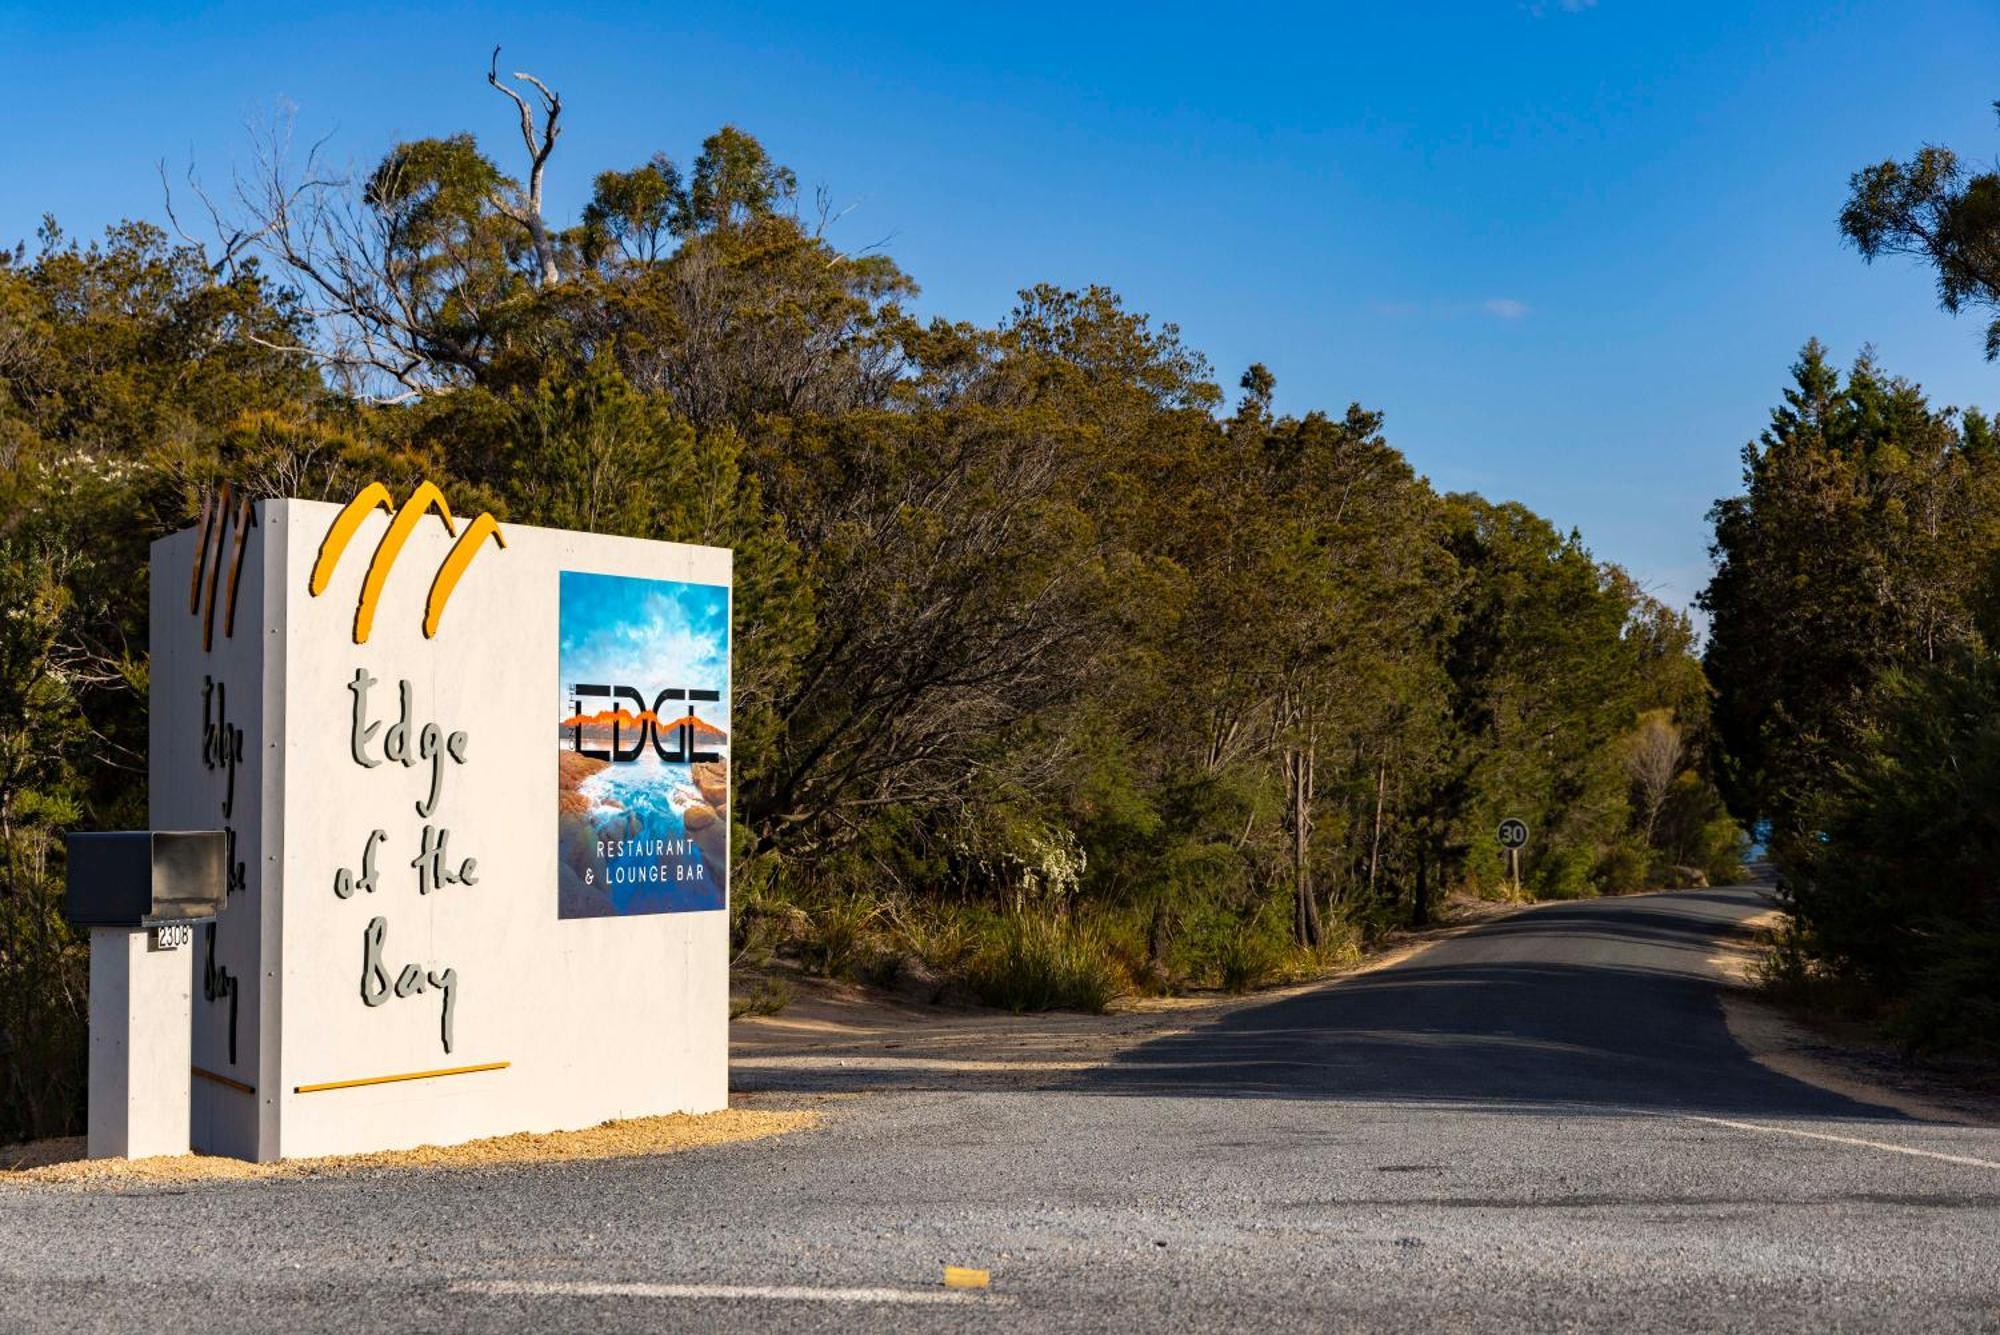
(140, 892)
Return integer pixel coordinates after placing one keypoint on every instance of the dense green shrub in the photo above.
(1624, 869)
(941, 937)
(43, 737)
(1897, 887)
(1563, 873)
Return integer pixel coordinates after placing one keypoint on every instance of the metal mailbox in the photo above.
(143, 878)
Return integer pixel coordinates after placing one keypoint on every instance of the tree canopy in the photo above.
(1934, 208)
(1039, 641)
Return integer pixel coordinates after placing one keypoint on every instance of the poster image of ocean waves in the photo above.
(648, 861)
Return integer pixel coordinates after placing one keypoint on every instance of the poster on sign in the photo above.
(642, 768)
(433, 932)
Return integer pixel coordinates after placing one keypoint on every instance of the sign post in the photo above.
(1513, 836)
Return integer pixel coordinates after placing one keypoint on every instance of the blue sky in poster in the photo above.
(644, 633)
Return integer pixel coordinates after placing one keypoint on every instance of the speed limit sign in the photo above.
(1513, 833)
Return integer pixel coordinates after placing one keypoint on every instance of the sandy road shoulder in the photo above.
(1851, 1066)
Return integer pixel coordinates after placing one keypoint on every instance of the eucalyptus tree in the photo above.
(1937, 209)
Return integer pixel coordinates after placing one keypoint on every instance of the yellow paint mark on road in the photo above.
(965, 1277)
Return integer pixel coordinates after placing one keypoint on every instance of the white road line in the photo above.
(1845, 1140)
(778, 1293)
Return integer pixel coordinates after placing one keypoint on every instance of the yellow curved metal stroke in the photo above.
(455, 562)
(374, 496)
(218, 530)
(246, 519)
(424, 499)
(201, 552)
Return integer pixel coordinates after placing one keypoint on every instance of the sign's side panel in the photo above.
(438, 984)
(280, 562)
(207, 742)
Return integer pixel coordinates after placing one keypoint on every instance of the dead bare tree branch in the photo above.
(1653, 763)
(540, 143)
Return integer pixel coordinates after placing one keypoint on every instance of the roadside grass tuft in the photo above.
(838, 938)
(942, 937)
(1248, 959)
(768, 997)
(1041, 964)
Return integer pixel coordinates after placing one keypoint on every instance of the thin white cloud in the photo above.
(1538, 8)
(1497, 308)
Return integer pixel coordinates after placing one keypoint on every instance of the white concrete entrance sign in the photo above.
(475, 778)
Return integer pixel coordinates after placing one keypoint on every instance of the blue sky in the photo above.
(1568, 248)
(646, 634)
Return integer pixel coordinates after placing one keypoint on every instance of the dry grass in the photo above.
(62, 1162)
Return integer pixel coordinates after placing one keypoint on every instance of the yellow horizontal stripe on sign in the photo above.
(395, 1079)
(223, 1080)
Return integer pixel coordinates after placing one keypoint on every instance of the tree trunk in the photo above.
(1375, 843)
(1305, 908)
(538, 232)
(526, 209)
(1420, 909)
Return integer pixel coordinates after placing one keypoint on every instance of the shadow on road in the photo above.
(1608, 1004)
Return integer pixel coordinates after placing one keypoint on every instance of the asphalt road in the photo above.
(1540, 1124)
